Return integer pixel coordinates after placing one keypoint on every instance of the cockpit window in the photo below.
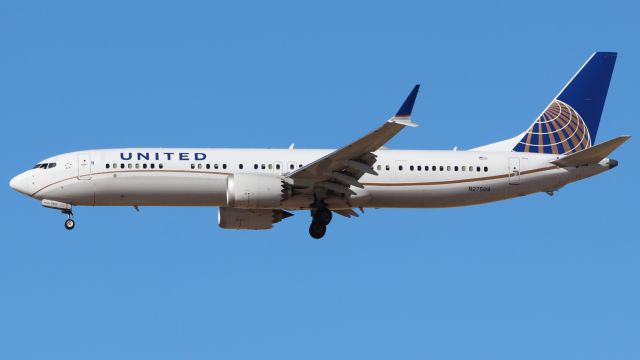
(45, 166)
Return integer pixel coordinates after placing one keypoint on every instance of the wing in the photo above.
(343, 167)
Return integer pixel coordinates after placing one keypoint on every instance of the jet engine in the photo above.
(250, 219)
(253, 191)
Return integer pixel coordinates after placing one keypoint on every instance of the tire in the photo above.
(69, 224)
(317, 229)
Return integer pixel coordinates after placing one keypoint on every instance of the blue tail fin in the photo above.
(570, 123)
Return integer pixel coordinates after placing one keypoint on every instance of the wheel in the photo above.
(317, 229)
(323, 215)
(69, 224)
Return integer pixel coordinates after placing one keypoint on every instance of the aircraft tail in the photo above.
(570, 122)
(592, 155)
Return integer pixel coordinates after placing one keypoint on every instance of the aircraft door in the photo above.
(514, 171)
(84, 166)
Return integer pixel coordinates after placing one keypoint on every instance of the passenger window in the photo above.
(270, 167)
(115, 166)
(129, 165)
(411, 167)
(448, 168)
(224, 166)
(121, 166)
(464, 168)
(471, 168)
(486, 169)
(240, 166)
(255, 166)
(144, 166)
(262, 167)
(107, 166)
(215, 166)
(419, 167)
(379, 167)
(300, 165)
(291, 167)
(193, 166)
(433, 168)
(153, 166)
(277, 166)
(478, 168)
(387, 167)
(160, 166)
(137, 166)
(455, 168)
(441, 168)
(208, 166)
(199, 166)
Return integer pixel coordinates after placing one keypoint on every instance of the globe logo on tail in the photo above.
(559, 130)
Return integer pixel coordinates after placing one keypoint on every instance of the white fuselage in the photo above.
(198, 177)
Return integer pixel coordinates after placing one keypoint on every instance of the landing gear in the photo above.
(321, 218)
(69, 224)
(323, 215)
(317, 229)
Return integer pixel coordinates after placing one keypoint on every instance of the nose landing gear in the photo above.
(69, 224)
(64, 208)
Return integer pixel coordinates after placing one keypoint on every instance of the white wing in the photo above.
(342, 168)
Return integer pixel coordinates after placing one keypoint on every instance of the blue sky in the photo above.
(530, 278)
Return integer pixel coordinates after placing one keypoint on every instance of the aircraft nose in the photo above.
(20, 184)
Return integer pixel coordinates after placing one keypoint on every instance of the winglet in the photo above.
(407, 106)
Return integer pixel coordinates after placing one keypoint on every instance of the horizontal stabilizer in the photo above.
(592, 155)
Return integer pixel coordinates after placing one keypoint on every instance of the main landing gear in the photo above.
(321, 218)
(69, 224)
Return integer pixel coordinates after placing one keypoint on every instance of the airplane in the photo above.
(257, 188)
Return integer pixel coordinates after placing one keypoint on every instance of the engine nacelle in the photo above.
(252, 191)
(250, 219)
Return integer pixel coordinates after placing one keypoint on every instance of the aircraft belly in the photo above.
(71, 191)
(471, 193)
(434, 196)
(161, 189)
